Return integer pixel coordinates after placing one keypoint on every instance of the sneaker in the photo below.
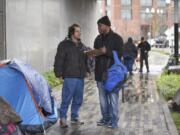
(63, 123)
(131, 73)
(101, 122)
(77, 122)
(140, 71)
(112, 126)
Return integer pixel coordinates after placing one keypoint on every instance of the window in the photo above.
(126, 9)
(109, 13)
(126, 2)
(146, 2)
(108, 8)
(161, 3)
(126, 14)
(144, 15)
(108, 2)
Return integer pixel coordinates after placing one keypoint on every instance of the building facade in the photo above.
(137, 18)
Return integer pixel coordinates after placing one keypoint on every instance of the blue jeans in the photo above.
(128, 62)
(72, 92)
(109, 104)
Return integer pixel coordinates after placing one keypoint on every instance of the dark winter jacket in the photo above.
(130, 50)
(144, 49)
(111, 41)
(70, 60)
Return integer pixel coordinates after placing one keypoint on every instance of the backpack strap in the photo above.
(116, 58)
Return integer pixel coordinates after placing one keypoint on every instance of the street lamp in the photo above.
(151, 12)
(149, 33)
(159, 11)
(147, 10)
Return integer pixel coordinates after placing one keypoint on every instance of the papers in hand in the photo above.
(95, 52)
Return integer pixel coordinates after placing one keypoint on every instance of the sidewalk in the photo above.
(144, 112)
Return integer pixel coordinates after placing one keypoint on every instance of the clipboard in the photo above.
(95, 52)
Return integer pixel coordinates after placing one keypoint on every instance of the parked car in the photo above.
(161, 42)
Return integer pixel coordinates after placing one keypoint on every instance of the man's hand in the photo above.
(88, 74)
(103, 49)
(92, 56)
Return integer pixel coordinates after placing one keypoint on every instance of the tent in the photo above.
(29, 95)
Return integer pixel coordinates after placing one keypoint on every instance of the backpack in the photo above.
(116, 75)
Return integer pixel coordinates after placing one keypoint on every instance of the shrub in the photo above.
(52, 80)
(168, 84)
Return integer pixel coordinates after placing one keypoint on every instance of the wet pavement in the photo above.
(144, 112)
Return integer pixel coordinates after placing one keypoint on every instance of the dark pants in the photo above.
(128, 62)
(144, 58)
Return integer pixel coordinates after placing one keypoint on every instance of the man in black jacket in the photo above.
(70, 64)
(107, 41)
(144, 47)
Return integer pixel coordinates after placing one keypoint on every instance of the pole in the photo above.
(5, 42)
(151, 27)
(123, 95)
(106, 7)
(4, 48)
(176, 35)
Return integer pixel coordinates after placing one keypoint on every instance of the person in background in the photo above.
(144, 47)
(129, 54)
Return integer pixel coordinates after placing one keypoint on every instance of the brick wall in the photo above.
(136, 27)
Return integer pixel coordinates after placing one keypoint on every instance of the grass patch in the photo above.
(52, 80)
(176, 117)
(168, 84)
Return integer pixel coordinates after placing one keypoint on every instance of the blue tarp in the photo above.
(40, 87)
(13, 88)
